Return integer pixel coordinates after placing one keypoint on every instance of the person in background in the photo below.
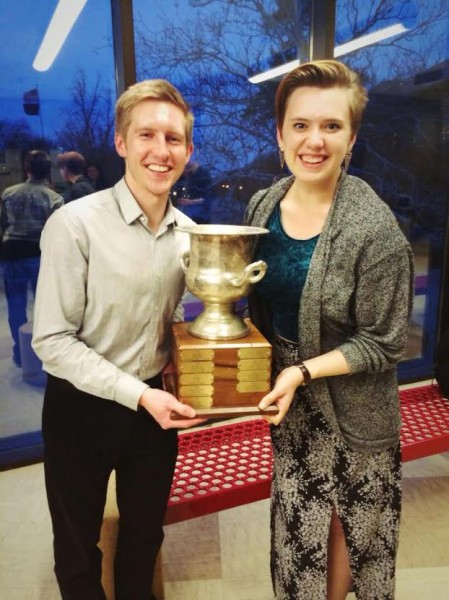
(72, 167)
(335, 303)
(95, 175)
(192, 192)
(24, 209)
(109, 288)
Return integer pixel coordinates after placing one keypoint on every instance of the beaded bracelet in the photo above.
(305, 373)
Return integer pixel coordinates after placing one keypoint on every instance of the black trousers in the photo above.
(85, 438)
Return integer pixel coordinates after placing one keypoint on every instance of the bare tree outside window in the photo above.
(215, 45)
(89, 124)
(210, 54)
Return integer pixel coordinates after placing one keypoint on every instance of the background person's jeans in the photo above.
(18, 276)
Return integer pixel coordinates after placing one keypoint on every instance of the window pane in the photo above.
(68, 106)
(210, 50)
(402, 149)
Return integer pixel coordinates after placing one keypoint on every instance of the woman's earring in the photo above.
(347, 160)
(281, 158)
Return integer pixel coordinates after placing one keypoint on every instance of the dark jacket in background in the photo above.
(82, 187)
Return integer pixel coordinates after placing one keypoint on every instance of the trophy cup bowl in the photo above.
(219, 272)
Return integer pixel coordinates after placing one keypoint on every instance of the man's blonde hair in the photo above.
(322, 74)
(150, 89)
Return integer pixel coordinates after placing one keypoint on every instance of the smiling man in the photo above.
(109, 288)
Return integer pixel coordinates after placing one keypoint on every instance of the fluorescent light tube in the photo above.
(62, 21)
(274, 72)
(361, 42)
(368, 39)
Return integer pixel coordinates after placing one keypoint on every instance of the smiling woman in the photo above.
(335, 305)
(314, 138)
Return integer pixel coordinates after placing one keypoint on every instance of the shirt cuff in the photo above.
(129, 390)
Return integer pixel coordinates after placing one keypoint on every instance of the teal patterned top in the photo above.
(288, 262)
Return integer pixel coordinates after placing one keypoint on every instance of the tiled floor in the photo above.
(222, 556)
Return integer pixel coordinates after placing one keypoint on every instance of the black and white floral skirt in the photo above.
(315, 472)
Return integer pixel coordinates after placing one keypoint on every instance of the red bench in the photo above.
(224, 466)
(425, 422)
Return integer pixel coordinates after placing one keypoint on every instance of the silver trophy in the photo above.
(219, 272)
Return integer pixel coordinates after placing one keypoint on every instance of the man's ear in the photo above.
(120, 145)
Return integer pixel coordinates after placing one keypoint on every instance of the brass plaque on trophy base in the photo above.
(222, 378)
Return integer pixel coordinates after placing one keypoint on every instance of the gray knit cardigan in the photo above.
(357, 298)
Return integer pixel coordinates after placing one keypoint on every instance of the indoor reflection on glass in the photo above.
(210, 50)
(399, 148)
(65, 105)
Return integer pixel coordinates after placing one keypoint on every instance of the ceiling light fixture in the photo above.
(274, 72)
(361, 42)
(61, 23)
(369, 38)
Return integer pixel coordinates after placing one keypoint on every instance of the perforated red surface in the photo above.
(425, 422)
(230, 465)
(221, 467)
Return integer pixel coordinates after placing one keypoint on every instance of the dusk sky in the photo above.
(88, 47)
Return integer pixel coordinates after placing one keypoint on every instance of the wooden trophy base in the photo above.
(222, 378)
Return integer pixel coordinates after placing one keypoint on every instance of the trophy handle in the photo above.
(251, 274)
(185, 260)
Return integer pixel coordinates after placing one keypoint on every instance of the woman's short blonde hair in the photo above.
(150, 89)
(322, 74)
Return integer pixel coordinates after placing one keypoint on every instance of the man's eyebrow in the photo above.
(154, 128)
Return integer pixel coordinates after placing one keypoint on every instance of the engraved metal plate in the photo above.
(253, 375)
(202, 366)
(196, 379)
(256, 364)
(254, 353)
(196, 354)
(190, 391)
(253, 386)
(199, 402)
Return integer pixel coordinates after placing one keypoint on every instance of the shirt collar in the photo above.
(130, 208)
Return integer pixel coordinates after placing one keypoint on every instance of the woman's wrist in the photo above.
(307, 377)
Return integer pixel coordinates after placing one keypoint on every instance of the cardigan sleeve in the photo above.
(382, 305)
